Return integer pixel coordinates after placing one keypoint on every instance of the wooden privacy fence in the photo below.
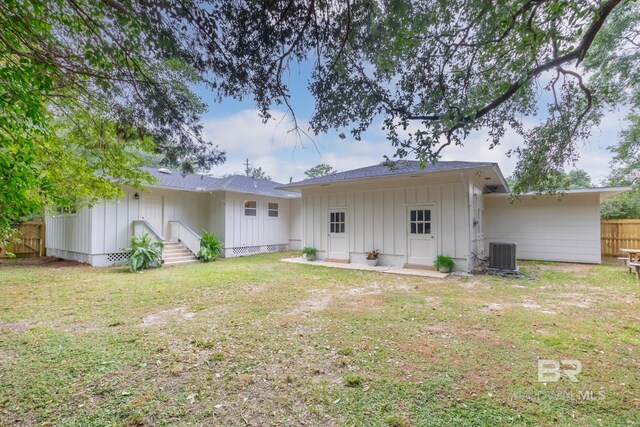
(32, 237)
(619, 233)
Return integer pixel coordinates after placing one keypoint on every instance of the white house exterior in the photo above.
(248, 216)
(412, 215)
(550, 228)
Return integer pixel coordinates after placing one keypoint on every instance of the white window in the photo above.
(337, 222)
(67, 210)
(250, 208)
(420, 221)
(272, 210)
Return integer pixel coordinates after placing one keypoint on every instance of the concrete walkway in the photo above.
(364, 267)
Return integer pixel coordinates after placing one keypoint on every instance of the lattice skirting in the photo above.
(250, 250)
(117, 257)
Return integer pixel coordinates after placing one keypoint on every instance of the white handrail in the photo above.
(151, 228)
(186, 235)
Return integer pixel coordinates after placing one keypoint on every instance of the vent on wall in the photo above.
(502, 256)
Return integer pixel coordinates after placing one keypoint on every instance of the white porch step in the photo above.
(177, 254)
(180, 262)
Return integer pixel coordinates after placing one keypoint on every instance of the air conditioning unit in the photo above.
(502, 256)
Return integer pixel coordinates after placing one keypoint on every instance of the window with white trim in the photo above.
(420, 221)
(337, 222)
(272, 210)
(250, 208)
(67, 210)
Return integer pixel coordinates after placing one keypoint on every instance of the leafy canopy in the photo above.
(322, 169)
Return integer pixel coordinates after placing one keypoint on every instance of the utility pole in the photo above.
(247, 167)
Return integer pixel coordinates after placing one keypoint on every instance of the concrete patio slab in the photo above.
(362, 267)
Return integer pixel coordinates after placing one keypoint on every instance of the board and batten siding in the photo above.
(545, 228)
(111, 225)
(377, 218)
(243, 231)
(68, 233)
(295, 223)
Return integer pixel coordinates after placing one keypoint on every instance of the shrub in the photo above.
(210, 247)
(444, 261)
(309, 251)
(143, 252)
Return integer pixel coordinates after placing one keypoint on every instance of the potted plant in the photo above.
(309, 253)
(372, 258)
(444, 263)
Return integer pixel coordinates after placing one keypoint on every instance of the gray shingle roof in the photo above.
(235, 183)
(403, 167)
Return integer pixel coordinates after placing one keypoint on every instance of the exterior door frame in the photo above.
(347, 222)
(140, 207)
(435, 229)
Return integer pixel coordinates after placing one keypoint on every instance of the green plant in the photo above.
(309, 251)
(143, 252)
(444, 261)
(373, 254)
(353, 380)
(210, 247)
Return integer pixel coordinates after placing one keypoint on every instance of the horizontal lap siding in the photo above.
(377, 218)
(547, 229)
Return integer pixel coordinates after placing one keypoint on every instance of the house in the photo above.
(248, 215)
(411, 215)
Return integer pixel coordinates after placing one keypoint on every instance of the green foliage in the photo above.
(373, 254)
(444, 261)
(9, 239)
(353, 380)
(143, 252)
(623, 206)
(577, 178)
(85, 85)
(210, 247)
(258, 173)
(309, 251)
(322, 169)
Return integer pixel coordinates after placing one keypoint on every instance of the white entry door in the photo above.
(338, 236)
(422, 240)
(151, 210)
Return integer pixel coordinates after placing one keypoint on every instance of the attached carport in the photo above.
(549, 228)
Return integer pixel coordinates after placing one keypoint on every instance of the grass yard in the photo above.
(254, 341)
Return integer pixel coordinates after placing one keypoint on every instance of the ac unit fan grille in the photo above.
(502, 256)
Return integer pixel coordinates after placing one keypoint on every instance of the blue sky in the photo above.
(236, 127)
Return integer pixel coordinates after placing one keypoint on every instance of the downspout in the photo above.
(469, 227)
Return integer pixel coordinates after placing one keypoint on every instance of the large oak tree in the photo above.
(84, 80)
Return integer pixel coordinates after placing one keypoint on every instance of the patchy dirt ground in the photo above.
(252, 342)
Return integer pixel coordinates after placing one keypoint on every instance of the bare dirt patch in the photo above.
(318, 302)
(566, 267)
(16, 327)
(47, 261)
(165, 316)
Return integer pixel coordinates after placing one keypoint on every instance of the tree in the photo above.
(429, 73)
(85, 86)
(625, 171)
(577, 178)
(258, 173)
(321, 169)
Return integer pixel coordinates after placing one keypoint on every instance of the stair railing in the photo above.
(178, 231)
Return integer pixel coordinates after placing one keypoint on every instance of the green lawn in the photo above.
(254, 341)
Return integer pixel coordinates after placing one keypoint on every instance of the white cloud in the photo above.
(245, 133)
(280, 153)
